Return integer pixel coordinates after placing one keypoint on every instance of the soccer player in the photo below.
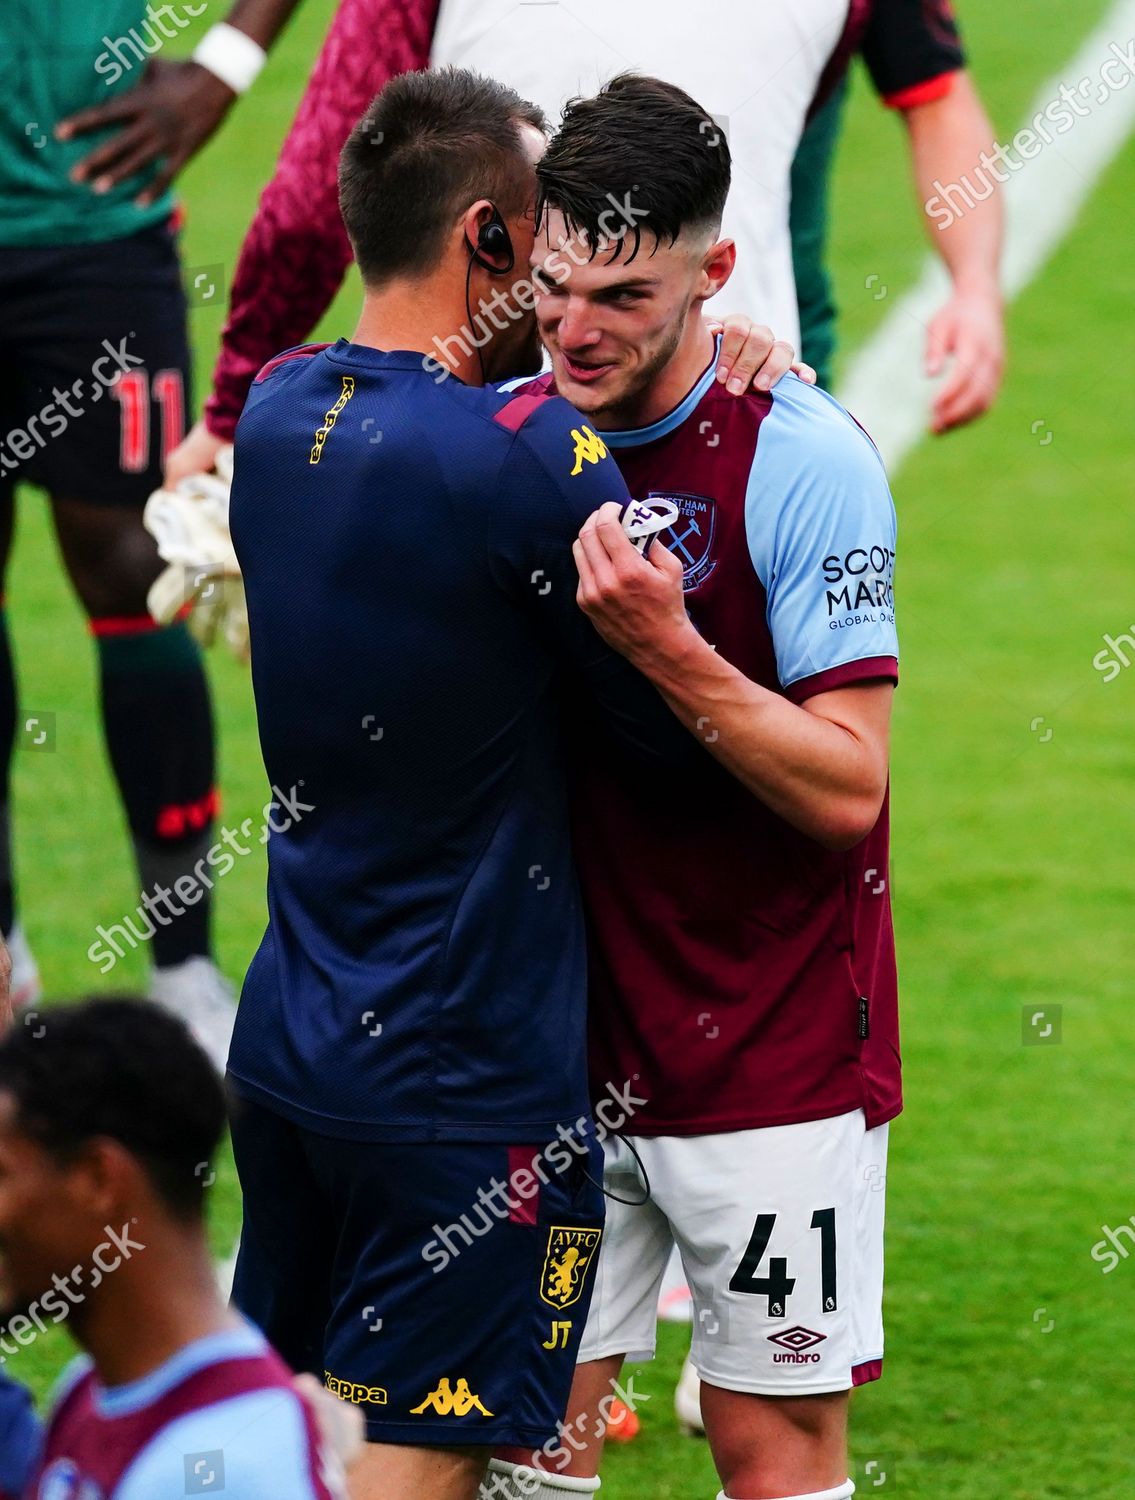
(422, 1206)
(915, 58)
(295, 253)
(742, 960)
(94, 371)
(110, 1115)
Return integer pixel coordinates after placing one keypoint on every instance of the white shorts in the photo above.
(780, 1232)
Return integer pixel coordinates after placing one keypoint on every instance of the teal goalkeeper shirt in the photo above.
(56, 57)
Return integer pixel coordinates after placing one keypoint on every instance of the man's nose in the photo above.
(577, 328)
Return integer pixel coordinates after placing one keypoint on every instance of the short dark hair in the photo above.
(641, 142)
(125, 1069)
(431, 144)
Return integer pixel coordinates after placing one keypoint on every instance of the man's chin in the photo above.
(591, 397)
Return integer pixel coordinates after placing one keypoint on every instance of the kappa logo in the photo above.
(589, 448)
(691, 536)
(349, 1390)
(331, 418)
(447, 1401)
(797, 1342)
(567, 1260)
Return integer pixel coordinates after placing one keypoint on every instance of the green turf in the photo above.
(1013, 872)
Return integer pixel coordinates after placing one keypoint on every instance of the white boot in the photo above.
(199, 993)
(26, 985)
(687, 1401)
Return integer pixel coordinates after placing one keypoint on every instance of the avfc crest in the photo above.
(567, 1261)
(691, 536)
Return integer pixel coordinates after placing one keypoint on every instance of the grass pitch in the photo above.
(1014, 820)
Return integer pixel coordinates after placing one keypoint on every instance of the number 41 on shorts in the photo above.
(777, 1285)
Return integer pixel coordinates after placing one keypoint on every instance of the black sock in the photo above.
(159, 734)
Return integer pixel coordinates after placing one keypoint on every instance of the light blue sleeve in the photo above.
(821, 531)
(250, 1447)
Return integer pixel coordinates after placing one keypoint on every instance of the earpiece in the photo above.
(493, 240)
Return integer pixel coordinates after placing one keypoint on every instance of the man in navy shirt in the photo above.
(409, 1063)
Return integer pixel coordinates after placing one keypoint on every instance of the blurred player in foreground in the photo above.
(110, 1116)
(775, 72)
(94, 381)
(742, 961)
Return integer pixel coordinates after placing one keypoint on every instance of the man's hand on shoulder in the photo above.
(752, 357)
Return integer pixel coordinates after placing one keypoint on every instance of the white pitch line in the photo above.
(885, 386)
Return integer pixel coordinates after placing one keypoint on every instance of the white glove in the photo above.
(191, 526)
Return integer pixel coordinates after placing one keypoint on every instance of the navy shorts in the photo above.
(442, 1288)
(94, 366)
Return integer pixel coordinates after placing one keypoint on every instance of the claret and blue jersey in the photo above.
(220, 1414)
(701, 901)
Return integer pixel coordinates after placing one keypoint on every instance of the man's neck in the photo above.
(152, 1307)
(671, 386)
(422, 318)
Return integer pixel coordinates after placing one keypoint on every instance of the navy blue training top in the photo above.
(406, 542)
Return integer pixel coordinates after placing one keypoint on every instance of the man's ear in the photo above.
(716, 268)
(102, 1176)
(474, 219)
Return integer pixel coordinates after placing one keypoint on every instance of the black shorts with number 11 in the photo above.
(94, 366)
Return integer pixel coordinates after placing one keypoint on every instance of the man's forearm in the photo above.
(817, 774)
(295, 253)
(262, 20)
(948, 137)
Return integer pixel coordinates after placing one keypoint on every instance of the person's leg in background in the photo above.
(25, 977)
(157, 722)
(103, 380)
(808, 223)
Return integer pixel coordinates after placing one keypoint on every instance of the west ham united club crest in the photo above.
(691, 536)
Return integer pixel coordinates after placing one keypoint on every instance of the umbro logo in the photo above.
(797, 1338)
(796, 1341)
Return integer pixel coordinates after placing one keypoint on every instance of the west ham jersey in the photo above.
(219, 1417)
(757, 72)
(406, 544)
(741, 972)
